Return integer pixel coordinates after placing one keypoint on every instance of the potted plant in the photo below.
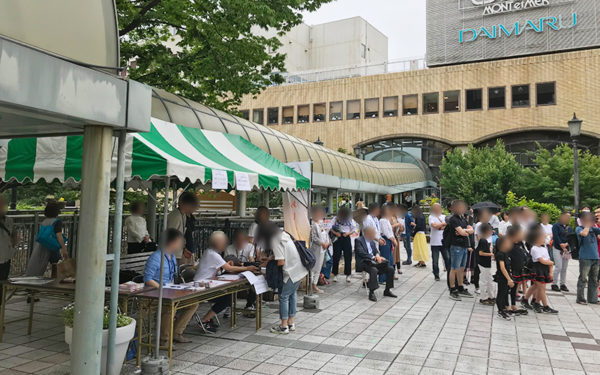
(125, 332)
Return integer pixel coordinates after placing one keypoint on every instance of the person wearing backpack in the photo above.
(50, 244)
(288, 257)
(589, 262)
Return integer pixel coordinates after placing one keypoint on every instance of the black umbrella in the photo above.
(490, 206)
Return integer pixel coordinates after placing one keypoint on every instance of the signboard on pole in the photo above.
(296, 206)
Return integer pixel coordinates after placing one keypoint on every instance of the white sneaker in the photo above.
(477, 291)
(292, 327)
(347, 279)
(335, 278)
(280, 330)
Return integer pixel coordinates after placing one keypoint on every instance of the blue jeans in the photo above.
(458, 257)
(435, 256)
(408, 247)
(288, 299)
(588, 276)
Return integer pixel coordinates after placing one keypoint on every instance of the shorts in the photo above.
(458, 257)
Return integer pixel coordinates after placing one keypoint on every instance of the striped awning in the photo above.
(167, 150)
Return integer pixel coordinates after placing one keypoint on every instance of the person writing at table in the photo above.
(208, 266)
(171, 243)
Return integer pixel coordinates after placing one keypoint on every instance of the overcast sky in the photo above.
(403, 21)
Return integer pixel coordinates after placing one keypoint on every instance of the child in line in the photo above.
(519, 257)
(484, 250)
(506, 285)
(542, 267)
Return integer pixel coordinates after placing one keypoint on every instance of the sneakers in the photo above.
(454, 295)
(477, 291)
(564, 288)
(504, 315)
(437, 278)
(335, 278)
(582, 302)
(208, 327)
(526, 304)
(348, 278)
(537, 308)
(520, 312)
(465, 293)
(292, 327)
(279, 330)
(555, 288)
(487, 302)
(227, 313)
(549, 310)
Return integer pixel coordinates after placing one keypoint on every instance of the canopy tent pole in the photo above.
(91, 249)
(162, 267)
(116, 265)
(265, 197)
(151, 208)
(240, 208)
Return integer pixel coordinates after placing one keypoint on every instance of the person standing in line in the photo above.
(343, 227)
(406, 238)
(177, 219)
(506, 285)
(485, 257)
(8, 240)
(560, 251)
(547, 227)
(459, 250)
(421, 252)
(437, 223)
(504, 224)
(387, 234)
(494, 222)
(137, 229)
(398, 227)
(587, 235)
(318, 245)
(542, 269)
(372, 220)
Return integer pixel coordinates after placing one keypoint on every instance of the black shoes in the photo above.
(454, 295)
(437, 278)
(582, 302)
(503, 315)
(465, 293)
(526, 304)
(564, 288)
(388, 293)
(549, 310)
(555, 288)
(372, 297)
(407, 263)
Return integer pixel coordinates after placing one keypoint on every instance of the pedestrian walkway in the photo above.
(421, 332)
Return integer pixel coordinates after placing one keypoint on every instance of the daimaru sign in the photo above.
(471, 30)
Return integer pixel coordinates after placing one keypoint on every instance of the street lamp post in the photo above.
(575, 132)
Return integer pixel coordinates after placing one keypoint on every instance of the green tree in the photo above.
(215, 55)
(480, 174)
(551, 179)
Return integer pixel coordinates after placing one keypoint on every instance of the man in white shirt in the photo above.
(437, 223)
(241, 250)
(372, 220)
(137, 230)
(369, 260)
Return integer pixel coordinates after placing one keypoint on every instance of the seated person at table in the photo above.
(241, 250)
(369, 260)
(208, 267)
(172, 242)
(137, 230)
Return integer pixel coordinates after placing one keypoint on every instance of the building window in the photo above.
(372, 108)
(335, 111)
(496, 97)
(452, 101)
(474, 99)
(245, 114)
(319, 112)
(410, 105)
(353, 110)
(390, 106)
(546, 93)
(520, 96)
(273, 116)
(258, 116)
(431, 102)
(287, 114)
(303, 113)
(363, 50)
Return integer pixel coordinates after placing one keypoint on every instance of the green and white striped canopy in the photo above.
(167, 150)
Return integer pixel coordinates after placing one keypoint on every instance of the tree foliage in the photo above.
(551, 179)
(540, 208)
(219, 58)
(480, 174)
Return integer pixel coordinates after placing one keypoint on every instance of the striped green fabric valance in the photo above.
(167, 150)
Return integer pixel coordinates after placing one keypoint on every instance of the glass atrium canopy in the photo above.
(331, 169)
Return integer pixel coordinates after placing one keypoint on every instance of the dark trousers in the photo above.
(251, 298)
(407, 246)
(435, 256)
(135, 247)
(220, 303)
(4, 272)
(342, 245)
(506, 295)
(374, 269)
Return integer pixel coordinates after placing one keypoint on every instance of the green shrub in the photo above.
(540, 208)
(69, 316)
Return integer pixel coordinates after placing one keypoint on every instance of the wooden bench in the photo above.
(129, 262)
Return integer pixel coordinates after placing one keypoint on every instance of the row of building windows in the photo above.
(520, 96)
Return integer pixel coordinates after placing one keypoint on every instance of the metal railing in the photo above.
(394, 66)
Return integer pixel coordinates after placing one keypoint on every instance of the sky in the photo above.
(403, 21)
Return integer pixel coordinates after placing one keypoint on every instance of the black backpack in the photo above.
(306, 256)
(574, 244)
(447, 236)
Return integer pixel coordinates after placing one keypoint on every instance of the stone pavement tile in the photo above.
(333, 349)
(366, 371)
(535, 370)
(472, 352)
(292, 352)
(435, 371)
(297, 371)
(566, 365)
(215, 360)
(444, 364)
(37, 354)
(374, 364)
(497, 371)
(242, 364)
(11, 372)
(471, 365)
(404, 369)
(346, 360)
(381, 356)
(501, 364)
(310, 364)
(32, 367)
(303, 345)
(337, 368)
(227, 371)
(354, 352)
(410, 359)
(16, 350)
(269, 368)
(56, 370)
(280, 359)
(531, 360)
(199, 369)
(11, 362)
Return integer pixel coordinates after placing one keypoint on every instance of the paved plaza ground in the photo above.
(421, 332)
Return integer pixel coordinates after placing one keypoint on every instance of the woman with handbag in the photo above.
(387, 233)
(50, 244)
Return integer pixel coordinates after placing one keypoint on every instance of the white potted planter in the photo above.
(124, 334)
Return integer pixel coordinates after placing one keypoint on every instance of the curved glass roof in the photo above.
(172, 108)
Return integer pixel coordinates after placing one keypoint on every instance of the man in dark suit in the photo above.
(369, 260)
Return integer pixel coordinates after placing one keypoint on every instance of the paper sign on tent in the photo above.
(219, 179)
(242, 181)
